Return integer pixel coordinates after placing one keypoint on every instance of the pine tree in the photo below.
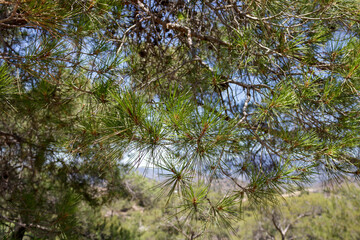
(264, 94)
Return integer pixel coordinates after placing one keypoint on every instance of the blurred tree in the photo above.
(50, 52)
(321, 215)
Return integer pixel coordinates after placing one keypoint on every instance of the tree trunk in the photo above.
(18, 233)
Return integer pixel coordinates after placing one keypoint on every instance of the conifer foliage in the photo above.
(262, 93)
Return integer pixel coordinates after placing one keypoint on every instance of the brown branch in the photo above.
(278, 228)
(29, 225)
(245, 114)
(13, 13)
(179, 28)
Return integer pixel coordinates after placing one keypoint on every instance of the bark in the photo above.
(18, 233)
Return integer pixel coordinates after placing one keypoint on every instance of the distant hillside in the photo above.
(152, 173)
(157, 174)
